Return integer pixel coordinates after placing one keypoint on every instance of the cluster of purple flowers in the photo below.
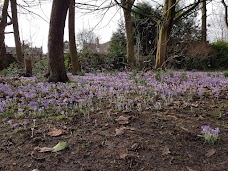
(210, 135)
(15, 125)
(102, 90)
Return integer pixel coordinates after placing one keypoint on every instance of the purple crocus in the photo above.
(210, 135)
(15, 125)
(215, 131)
(205, 129)
(10, 121)
(25, 123)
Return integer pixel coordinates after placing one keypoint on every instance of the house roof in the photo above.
(35, 49)
(9, 49)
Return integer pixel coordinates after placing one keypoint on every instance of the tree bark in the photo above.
(165, 28)
(127, 4)
(226, 13)
(19, 53)
(204, 22)
(55, 41)
(2, 29)
(72, 42)
(28, 67)
(161, 47)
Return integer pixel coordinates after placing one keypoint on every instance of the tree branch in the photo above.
(226, 13)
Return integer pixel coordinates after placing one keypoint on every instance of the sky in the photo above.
(34, 29)
(34, 24)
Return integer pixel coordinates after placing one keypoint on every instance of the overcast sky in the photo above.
(34, 28)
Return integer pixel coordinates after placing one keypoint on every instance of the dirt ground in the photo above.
(165, 140)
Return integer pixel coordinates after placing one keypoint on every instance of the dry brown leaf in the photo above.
(210, 153)
(126, 111)
(43, 149)
(120, 131)
(56, 132)
(189, 169)
(65, 100)
(122, 120)
(166, 150)
(174, 117)
(131, 129)
(194, 105)
(123, 154)
(185, 129)
(178, 103)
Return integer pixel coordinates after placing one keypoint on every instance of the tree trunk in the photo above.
(55, 41)
(165, 28)
(2, 29)
(226, 13)
(28, 67)
(72, 42)
(19, 53)
(162, 47)
(204, 22)
(129, 31)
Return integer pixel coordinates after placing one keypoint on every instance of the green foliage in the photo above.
(40, 67)
(220, 61)
(13, 69)
(145, 28)
(91, 62)
(117, 46)
(158, 75)
(226, 74)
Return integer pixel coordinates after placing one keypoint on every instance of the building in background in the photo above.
(35, 51)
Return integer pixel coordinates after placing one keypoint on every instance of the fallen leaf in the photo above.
(189, 169)
(56, 132)
(165, 150)
(65, 100)
(210, 153)
(178, 103)
(194, 105)
(120, 131)
(126, 111)
(36, 148)
(131, 129)
(185, 129)
(60, 146)
(123, 154)
(43, 149)
(122, 120)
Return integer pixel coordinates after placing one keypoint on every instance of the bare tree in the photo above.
(16, 32)
(55, 41)
(3, 24)
(72, 44)
(165, 28)
(128, 4)
(204, 22)
(226, 13)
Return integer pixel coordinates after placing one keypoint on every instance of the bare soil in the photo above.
(165, 140)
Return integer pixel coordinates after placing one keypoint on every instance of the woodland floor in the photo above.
(165, 140)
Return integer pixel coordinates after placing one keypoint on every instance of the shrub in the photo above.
(220, 61)
(226, 74)
(13, 69)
